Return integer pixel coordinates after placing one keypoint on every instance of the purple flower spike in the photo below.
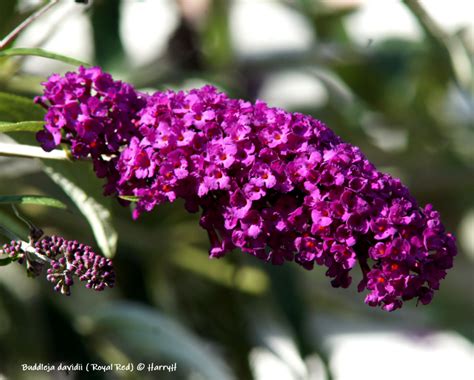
(276, 185)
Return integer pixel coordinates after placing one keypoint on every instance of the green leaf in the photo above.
(14, 108)
(146, 333)
(80, 184)
(42, 53)
(5, 261)
(22, 126)
(32, 200)
(130, 198)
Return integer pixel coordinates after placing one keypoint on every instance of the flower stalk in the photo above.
(10, 37)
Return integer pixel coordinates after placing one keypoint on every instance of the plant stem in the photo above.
(28, 151)
(15, 32)
(30, 250)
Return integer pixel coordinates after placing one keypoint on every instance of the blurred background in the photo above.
(392, 77)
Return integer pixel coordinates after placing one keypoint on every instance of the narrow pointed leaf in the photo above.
(78, 182)
(32, 200)
(42, 53)
(146, 333)
(22, 126)
(130, 198)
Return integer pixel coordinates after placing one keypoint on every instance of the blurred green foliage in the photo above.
(171, 303)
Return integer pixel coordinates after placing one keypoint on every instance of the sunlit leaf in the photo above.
(22, 126)
(273, 334)
(75, 180)
(32, 200)
(316, 367)
(130, 198)
(42, 53)
(264, 364)
(145, 333)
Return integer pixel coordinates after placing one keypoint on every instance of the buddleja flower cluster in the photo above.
(66, 259)
(277, 185)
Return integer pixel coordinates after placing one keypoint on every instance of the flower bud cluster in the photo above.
(66, 259)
